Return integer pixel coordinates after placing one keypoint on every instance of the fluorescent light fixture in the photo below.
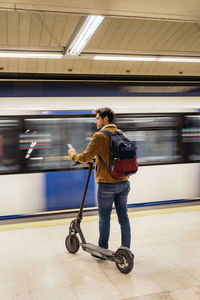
(178, 59)
(19, 54)
(86, 31)
(124, 58)
(146, 58)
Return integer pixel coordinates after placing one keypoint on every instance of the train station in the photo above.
(99, 150)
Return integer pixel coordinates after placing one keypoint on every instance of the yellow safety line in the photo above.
(89, 219)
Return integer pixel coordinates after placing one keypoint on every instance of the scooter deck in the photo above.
(99, 251)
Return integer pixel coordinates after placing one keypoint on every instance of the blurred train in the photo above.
(37, 176)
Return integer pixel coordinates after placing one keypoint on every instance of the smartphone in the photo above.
(70, 146)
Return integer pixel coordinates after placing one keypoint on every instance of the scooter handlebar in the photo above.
(90, 163)
(76, 164)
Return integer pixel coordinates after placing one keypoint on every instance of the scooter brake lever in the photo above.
(76, 164)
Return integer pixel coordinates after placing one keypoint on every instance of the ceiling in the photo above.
(130, 27)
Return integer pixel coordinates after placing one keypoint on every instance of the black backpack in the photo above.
(123, 160)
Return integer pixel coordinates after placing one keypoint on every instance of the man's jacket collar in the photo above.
(109, 126)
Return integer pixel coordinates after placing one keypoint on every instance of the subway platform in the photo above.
(35, 264)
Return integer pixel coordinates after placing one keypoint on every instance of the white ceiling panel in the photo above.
(131, 36)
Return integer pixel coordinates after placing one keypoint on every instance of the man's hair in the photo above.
(106, 112)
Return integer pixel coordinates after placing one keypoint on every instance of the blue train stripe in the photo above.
(166, 202)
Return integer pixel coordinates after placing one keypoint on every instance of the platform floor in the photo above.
(34, 263)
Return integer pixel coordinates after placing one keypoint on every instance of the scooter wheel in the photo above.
(72, 243)
(126, 264)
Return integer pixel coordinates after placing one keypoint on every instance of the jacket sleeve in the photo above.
(90, 152)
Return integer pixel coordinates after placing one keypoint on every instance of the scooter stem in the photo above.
(85, 190)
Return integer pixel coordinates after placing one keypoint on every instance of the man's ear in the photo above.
(106, 120)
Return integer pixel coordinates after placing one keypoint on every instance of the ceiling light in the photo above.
(20, 54)
(178, 59)
(125, 58)
(146, 58)
(86, 31)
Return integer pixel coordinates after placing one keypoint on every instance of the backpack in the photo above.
(123, 160)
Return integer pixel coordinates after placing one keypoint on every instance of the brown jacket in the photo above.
(99, 144)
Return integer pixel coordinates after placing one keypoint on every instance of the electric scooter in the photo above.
(123, 257)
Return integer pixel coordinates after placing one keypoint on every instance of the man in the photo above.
(110, 189)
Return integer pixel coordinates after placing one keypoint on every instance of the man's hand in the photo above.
(71, 152)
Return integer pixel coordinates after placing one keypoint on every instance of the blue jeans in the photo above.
(108, 193)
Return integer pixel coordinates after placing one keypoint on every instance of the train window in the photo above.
(9, 158)
(191, 137)
(44, 141)
(156, 137)
(144, 122)
(155, 146)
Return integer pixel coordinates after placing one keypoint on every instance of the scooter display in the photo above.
(122, 257)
